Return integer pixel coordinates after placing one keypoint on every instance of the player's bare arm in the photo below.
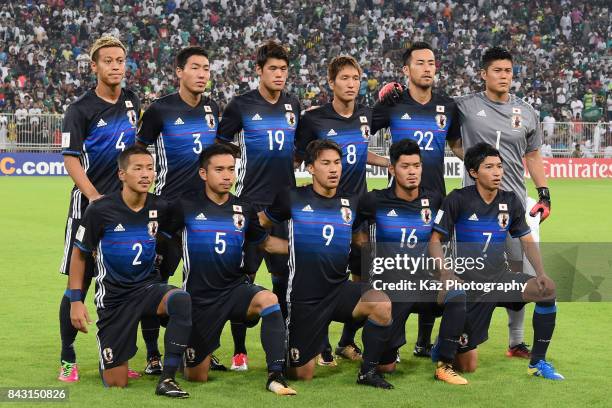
(77, 173)
(78, 311)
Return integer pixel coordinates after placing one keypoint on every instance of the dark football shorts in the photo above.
(209, 320)
(480, 308)
(308, 322)
(118, 324)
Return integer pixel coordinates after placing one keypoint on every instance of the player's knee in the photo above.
(382, 312)
(116, 382)
(178, 305)
(266, 299)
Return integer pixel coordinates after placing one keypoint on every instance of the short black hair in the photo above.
(271, 49)
(124, 156)
(419, 45)
(215, 149)
(494, 54)
(185, 53)
(406, 147)
(314, 149)
(476, 154)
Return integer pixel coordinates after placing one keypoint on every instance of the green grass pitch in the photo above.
(32, 214)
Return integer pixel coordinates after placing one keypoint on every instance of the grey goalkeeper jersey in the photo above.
(512, 127)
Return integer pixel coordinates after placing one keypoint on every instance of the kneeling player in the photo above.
(215, 226)
(319, 292)
(120, 230)
(480, 216)
(401, 221)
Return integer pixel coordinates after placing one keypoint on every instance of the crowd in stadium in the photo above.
(562, 48)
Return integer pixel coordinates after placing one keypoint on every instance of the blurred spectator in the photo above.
(576, 153)
(561, 48)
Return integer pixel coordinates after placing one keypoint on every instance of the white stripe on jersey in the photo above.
(243, 163)
(163, 164)
(66, 245)
(74, 204)
(101, 290)
(291, 265)
(186, 264)
(291, 262)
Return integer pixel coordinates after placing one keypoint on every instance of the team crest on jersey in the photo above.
(288, 107)
(152, 213)
(152, 228)
(365, 132)
(441, 121)
(463, 340)
(290, 116)
(517, 121)
(107, 354)
(131, 114)
(190, 354)
(210, 121)
(294, 354)
(502, 219)
(238, 221)
(128, 104)
(426, 215)
(347, 214)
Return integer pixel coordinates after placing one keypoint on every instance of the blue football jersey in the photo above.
(352, 135)
(180, 132)
(430, 125)
(123, 243)
(320, 234)
(267, 143)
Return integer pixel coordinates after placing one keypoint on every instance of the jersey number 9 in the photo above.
(328, 233)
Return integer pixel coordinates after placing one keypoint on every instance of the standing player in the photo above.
(319, 292)
(215, 226)
(180, 125)
(119, 231)
(511, 125)
(347, 123)
(480, 217)
(267, 117)
(401, 220)
(97, 128)
(428, 118)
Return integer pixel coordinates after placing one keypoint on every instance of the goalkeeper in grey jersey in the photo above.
(511, 125)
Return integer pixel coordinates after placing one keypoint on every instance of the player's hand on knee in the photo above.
(546, 285)
(79, 316)
(543, 204)
(390, 94)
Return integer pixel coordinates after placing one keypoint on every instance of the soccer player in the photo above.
(401, 220)
(119, 231)
(511, 125)
(97, 127)
(430, 119)
(180, 125)
(319, 292)
(347, 123)
(268, 118)
(215, 225)
(480, 217)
